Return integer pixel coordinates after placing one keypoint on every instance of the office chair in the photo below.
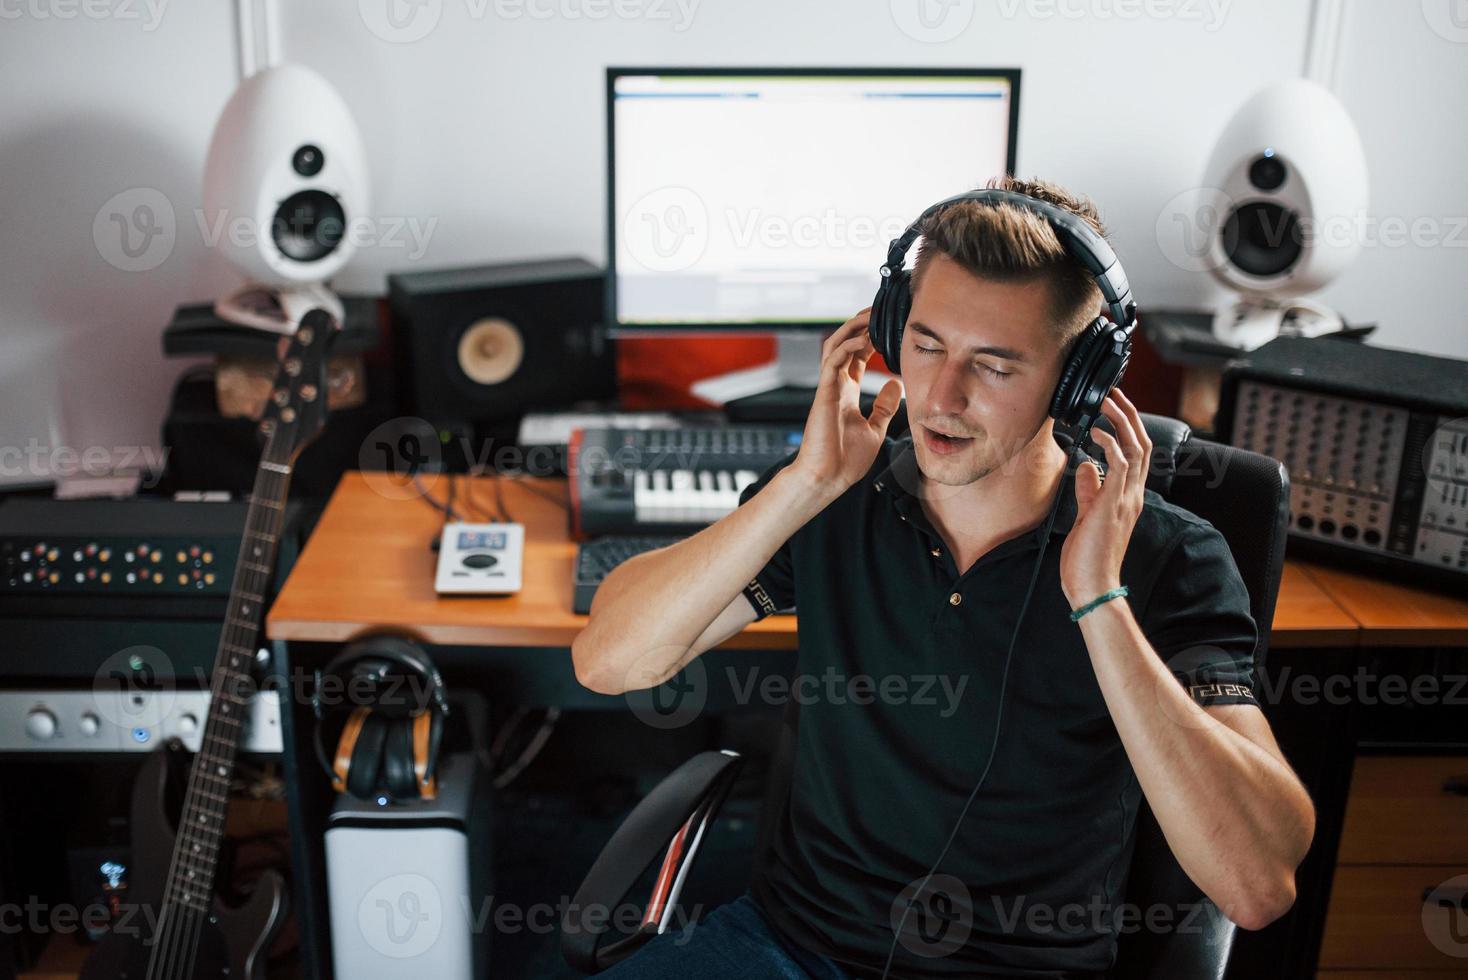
(1245, 495)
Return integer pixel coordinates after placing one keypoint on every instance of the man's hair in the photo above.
(1010, 244)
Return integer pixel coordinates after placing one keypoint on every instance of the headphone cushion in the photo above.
(397, 760)
(367, 757)
(1063, 405)
(889, 317)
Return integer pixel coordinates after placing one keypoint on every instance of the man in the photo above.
(908, 559)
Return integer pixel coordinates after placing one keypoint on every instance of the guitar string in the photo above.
(183, 936)
(236, 639)
(270, 487)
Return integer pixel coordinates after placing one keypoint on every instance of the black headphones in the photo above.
(387, 747)
(1095, 365)
(1100, 354)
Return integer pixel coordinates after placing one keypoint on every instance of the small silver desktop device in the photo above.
(408, 883)
(480, 559)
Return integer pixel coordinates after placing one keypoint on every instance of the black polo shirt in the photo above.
(898, 680)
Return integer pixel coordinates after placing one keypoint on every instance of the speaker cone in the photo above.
(490, 350)
(1263, 238)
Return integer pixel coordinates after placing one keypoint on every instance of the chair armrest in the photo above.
(675, 811)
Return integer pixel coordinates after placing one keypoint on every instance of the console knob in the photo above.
(40, 724)
(188, 724)
(88, 724)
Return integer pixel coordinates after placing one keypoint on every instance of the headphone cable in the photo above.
(998, 717)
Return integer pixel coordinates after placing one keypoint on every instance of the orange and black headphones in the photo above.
(381, 703)
(1098, 356)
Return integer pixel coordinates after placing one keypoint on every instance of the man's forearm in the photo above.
(650, 610)
(1237, 819)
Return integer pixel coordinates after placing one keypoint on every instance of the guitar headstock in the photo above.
(295, 412)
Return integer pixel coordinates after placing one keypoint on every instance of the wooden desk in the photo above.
(1391, 613)
(368, 567)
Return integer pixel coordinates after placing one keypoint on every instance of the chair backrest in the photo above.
(1246, 496)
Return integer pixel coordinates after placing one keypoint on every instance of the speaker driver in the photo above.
(491, 350)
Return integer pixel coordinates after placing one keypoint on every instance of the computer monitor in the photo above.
(757, 199)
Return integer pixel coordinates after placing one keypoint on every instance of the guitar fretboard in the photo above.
(190, 886)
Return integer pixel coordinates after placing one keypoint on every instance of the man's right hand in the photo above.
(840, 444)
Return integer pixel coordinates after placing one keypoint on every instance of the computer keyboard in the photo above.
(595, 559)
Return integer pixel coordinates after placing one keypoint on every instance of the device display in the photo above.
(738, 197)
(481, 539)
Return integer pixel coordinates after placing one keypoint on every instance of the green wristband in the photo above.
(1120, 590)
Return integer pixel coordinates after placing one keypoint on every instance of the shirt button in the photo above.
(936, 552)
(955, 599)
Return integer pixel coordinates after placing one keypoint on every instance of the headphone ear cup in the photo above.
(889, 317)
(397, 760)
(367, 757)
(1064, 405)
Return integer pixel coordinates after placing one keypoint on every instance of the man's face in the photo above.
(978, 365)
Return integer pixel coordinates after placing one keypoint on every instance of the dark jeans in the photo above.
(732, 941)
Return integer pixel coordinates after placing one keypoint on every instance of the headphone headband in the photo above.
(1079, 238)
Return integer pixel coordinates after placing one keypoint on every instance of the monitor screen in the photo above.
(765, 199)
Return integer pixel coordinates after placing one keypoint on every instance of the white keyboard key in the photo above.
(728, 495)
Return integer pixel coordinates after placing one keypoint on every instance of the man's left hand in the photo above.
(1106, 512)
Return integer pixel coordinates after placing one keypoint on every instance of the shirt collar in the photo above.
(900, 479)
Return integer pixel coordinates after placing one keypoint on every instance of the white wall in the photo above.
(488, 131)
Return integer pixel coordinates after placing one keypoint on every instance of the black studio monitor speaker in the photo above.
(492, 342)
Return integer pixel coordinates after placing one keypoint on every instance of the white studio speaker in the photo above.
(408, 884)
(1289, 175)
(285, 182)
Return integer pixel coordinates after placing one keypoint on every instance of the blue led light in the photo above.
(141, 734)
